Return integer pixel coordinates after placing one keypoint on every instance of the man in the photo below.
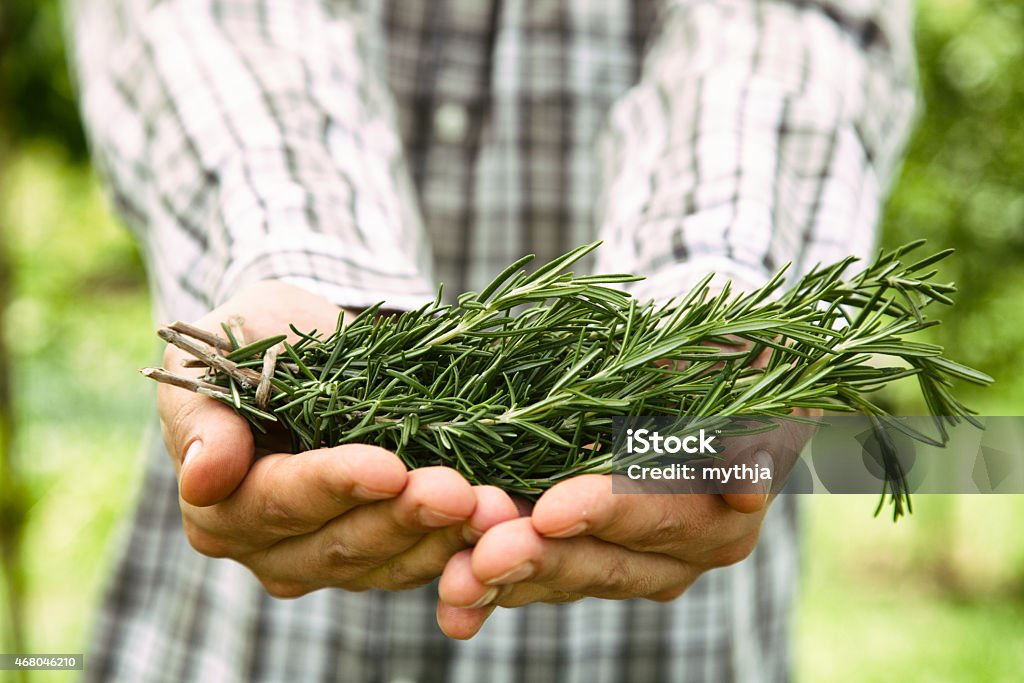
(280, 158)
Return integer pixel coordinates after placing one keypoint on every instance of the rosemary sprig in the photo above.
(517, 385)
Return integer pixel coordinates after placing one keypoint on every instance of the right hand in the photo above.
(351, 516)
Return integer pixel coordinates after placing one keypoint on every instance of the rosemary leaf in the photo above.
(516, 386)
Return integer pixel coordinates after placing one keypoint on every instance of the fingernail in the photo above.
(471, 535)
(360, 491)
(430, 517)
(764, 459)
(193, 450)
(485, 599)
(574, 530)
(520, 573)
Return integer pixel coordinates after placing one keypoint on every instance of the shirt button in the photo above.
(451, 122)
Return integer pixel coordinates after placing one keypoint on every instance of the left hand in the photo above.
(582, 540)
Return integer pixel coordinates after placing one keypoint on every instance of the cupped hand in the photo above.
(351, 516)
(583, 540)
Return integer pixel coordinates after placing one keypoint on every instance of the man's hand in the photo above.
(350, 516)
(582, 540)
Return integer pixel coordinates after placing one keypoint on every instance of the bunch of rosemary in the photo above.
(517, 385)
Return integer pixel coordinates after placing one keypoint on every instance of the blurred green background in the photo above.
(937, 597)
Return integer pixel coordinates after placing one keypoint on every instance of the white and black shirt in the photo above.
(369, 149)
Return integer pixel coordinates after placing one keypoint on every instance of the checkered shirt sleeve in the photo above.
(246, 141)
(760, 134)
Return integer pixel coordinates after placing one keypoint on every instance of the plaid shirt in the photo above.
(367, 150)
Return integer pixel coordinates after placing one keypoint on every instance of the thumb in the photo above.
(749, 496)
(212, 447)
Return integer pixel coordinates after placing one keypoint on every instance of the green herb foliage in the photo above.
(517, 385)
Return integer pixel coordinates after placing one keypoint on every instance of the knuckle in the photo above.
(343, 556)
(205, 542)
(274, 514)
(666, 531)
(398, 576)
(272, 511)
(620, 580)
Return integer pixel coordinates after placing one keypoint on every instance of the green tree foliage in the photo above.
(963, 180)
(39, 97)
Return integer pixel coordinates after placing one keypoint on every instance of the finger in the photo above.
(424, 561)
(493, 506)
(472, 599)
(219, 443)
(746, 495)
(682, 525)
(514, 553)
(768, 458)
(211, 447)
(459, 588)
(289, 495)
(368, 536)
(413, 567)
(465, 595)
(461, 623)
